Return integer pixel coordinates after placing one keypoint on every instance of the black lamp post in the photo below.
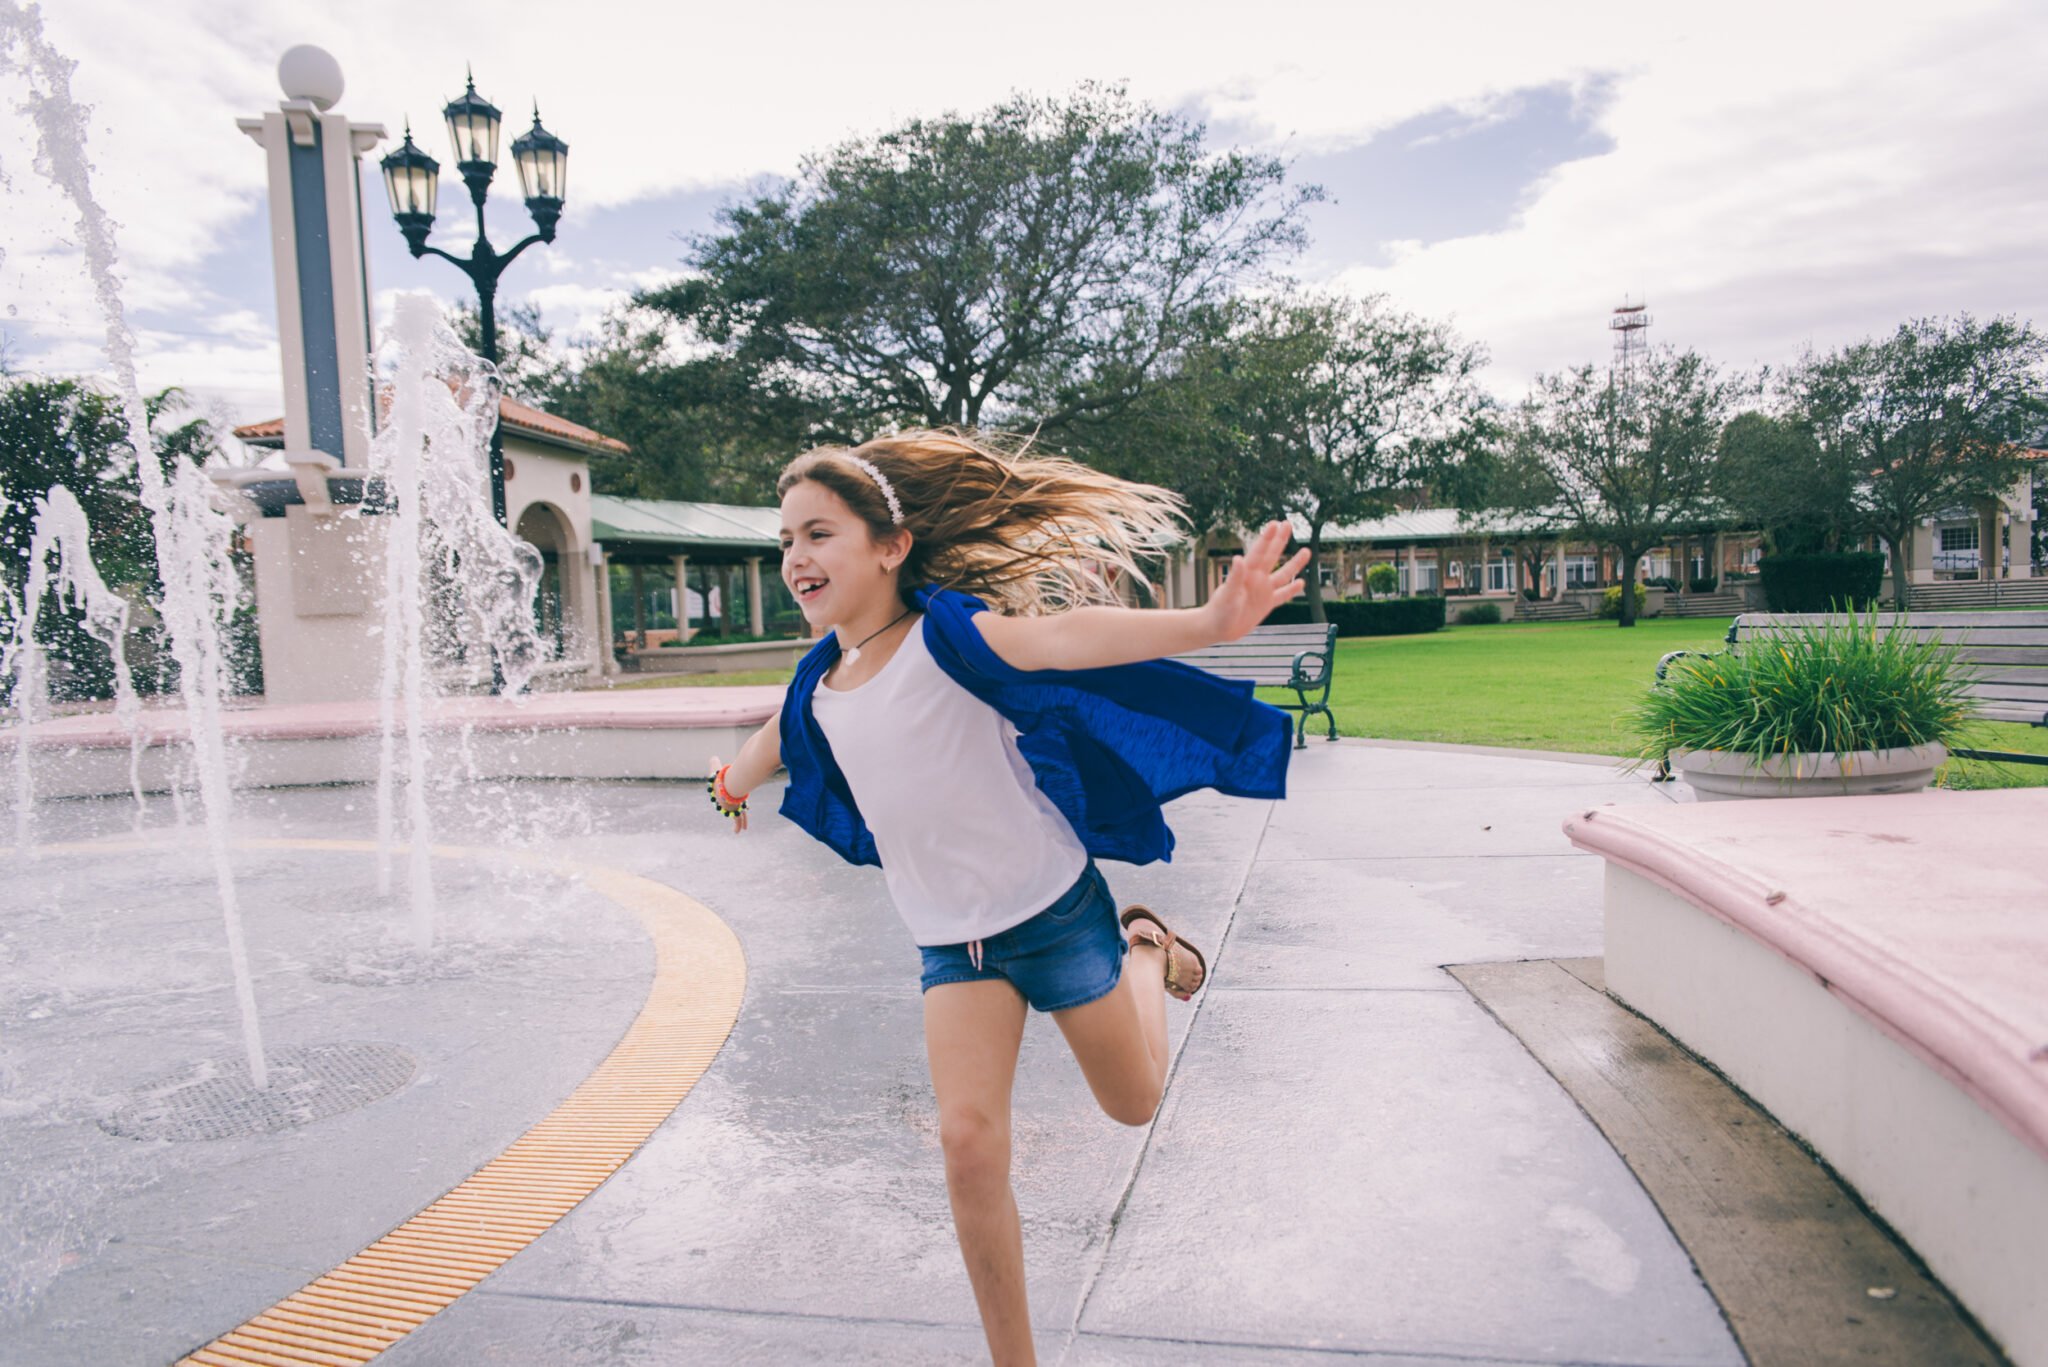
(411, 179)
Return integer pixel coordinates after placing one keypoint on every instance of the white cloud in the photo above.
(1758, 216)
(1781, 171)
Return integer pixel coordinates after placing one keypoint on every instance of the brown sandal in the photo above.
(1157, 934)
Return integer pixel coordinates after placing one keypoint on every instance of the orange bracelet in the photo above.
(723, 795)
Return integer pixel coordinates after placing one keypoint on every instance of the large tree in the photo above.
(1508, 495)
(1032, 265)
(1347, 406)
(706, 426)
(530, 364)
(1928, 420)
(1631, 454)
(63, 431)
(1771, 474)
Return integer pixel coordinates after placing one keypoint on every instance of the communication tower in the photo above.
(1630, 326)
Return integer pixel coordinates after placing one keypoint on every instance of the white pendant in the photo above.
(851, 655)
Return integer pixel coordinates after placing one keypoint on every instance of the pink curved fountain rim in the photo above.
(1927, 912)
(627, 709)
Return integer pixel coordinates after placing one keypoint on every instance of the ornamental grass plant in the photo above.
(1840, 686)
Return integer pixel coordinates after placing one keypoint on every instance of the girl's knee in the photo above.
(977, 1147)
(1133, 1108)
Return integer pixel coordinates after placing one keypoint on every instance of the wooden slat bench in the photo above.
(1296, 657)
(2007, 654)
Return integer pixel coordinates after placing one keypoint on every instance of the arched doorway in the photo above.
(556, 605)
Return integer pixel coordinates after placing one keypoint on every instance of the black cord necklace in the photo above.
(854, 654)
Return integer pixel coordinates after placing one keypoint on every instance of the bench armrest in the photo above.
(1307, 677)
(1665, 663)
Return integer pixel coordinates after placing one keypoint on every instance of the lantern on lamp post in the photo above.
(411, 180)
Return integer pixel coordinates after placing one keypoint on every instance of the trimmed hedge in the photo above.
(1480, 615)
(1822, 581)
(1610, 602)
(1379, 617)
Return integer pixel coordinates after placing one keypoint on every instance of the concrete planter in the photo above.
(1719, 775)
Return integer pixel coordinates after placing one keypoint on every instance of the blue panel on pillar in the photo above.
(316, 296)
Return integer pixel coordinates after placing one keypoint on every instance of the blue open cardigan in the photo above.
(1109, 746)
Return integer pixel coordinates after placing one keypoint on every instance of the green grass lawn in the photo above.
(1556, 686)
(745, 676)
(1541, 686)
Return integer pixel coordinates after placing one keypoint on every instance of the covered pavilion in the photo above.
(699, 564)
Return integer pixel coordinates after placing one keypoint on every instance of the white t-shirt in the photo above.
(970, 846)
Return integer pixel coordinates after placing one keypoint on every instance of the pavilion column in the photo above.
(639, 606)
(1414, 572)
(2023, 547)
(757, 617)
(607, 662)
(1720, 559)
(1557, 559)
(725, 600)
(1989, 560)
(1486, 565)
(682, 572)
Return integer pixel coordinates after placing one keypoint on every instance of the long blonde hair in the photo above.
(1028, 534)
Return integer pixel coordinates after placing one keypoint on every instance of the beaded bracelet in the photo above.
(722, 799)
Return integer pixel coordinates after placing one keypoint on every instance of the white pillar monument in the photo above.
(318, 562)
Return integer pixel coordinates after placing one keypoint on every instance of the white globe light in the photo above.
(310, 73)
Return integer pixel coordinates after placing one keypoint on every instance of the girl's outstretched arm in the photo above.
(1097, 637)
(760, 756)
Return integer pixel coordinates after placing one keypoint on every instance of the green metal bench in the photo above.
(2006, 652)
(1296, 657)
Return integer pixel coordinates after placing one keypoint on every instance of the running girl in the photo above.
(984, 758)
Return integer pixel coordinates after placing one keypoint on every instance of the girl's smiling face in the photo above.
(831, 563)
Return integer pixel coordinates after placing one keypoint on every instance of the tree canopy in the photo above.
(1347, 406)
(1923, 422)
(1031, 265)
(1632, 457)
(63, 431)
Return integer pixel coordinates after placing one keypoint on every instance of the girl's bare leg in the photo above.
(1120, 1039)
(971, 1035)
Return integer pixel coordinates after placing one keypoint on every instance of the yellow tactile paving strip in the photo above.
(383, 1293)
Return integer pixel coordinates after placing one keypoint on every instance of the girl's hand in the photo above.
(1251, 590)
(739, 818)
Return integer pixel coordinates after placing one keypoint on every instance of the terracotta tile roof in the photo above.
(521, 417)
(516, 416)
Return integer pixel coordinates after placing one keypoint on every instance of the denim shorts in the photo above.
(1067, 955)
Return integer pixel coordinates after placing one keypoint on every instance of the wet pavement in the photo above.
(1353, 1160)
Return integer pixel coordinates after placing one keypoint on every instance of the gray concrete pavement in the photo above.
(1353, 1159)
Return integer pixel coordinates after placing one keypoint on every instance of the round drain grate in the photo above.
(216, 1101)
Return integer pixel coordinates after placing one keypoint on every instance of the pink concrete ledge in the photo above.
(1926, 912)
(643, 709)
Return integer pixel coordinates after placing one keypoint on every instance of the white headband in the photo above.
(881, 482)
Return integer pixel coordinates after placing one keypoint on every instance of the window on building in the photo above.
(1500, 575)
(1580, 571)
(1424, 579)
(1963, 538)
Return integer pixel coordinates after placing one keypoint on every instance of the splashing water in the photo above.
(60, 531)
(433, 457)
(192, 537)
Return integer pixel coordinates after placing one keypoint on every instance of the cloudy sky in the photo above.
(1768, 176)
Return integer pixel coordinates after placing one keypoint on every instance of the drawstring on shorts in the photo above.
(974, 954)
